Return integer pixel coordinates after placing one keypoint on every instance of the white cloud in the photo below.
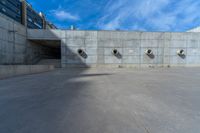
(64, 15)
(125, 11)
(162, 15)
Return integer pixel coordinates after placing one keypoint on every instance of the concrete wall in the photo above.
(7, 71)
(34, 53)
(132, 46)
(37, 52)
(12, 41)
(15, 49)
(98, 46)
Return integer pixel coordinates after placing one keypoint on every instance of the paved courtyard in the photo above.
(102, 101)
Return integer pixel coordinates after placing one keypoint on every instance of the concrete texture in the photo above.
(17, 46)
(15, 49)
(12, 41)
(38, 51)
(98, 46)
(102, 101)
(17, 70)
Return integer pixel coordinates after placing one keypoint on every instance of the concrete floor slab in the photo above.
(102, 101)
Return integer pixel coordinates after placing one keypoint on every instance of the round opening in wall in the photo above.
(149, 52)
(80, 52)
(115, 51)
(181, 52)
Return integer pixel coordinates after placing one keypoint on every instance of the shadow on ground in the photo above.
(96, 101)
(45, 103)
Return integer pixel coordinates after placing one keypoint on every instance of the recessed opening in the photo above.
(182, 51)
(46, 52)
(149, 51)
(115, 51)
(80, 52)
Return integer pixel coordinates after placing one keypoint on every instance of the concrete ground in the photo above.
(102, 101)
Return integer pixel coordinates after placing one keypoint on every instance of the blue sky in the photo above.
(139, 15)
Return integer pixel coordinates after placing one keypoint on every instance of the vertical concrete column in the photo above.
(44, 23)
(24, 12)
(63, 52)
(43, 20)
(24, 22)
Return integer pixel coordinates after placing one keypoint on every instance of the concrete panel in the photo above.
(113, 43)
(19, 49)
(91, 51)
(132, 43)
(154, 50)
(134, 51)
(177, 60)
(132, 46)
(3, 34)
(35, 34)
(193, 44)
(147, 60)
(20, 29)
(193, 51)
(193, 60)
(12, 41)
(166, 60)
(19, 39)
(98, 45)
(78, 42)
(193, 36)
(91, 42)
(178, 36)
(149, 43)
(173, 51)
(74, 59)
(151, 35)
(19, 59)
(46, 34)
(130, 35)
(108, 51)
(75, 34)
(131, 59)
(106, 35)
(54, 34)
(6, 23)
(91, 35)
(178, 44)
(91, 59)
(112, 60)
(17, 70)
(11, 36)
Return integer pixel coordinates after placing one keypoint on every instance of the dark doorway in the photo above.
(49, 52)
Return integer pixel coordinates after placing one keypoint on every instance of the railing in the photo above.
(13, 9)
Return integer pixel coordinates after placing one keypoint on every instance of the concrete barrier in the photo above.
(7, 71)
